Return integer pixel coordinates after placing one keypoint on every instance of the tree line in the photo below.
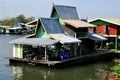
(9, 21)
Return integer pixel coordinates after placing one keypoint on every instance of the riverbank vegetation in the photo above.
(9, 21)
(115, 75)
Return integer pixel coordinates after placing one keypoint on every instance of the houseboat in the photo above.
(18, 27)
(49, 46)
(59, 41)
(3, 29)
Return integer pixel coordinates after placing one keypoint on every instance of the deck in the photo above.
(100, 55)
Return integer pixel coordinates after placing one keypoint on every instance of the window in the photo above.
(106, 28)
(94, 29)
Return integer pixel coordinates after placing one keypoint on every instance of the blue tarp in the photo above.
(67, 12)
(51, 25)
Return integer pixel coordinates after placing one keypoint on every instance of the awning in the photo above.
(64, 39)
(34, 41)
(96, 37)
(78, 23)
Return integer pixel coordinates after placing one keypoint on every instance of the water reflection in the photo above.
(102, 72)
(98, 71)
(17, 73)
(31, 72)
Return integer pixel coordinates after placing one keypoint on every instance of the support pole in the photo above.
(45, 53)
(75, 45)
(116, 42)
(75, 35)
(102, 44)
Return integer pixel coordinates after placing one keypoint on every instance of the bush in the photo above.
(116, 69)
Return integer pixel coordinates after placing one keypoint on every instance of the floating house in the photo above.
(49, 45)
(19, 27)
(73, 26)
(109, 28)
(3, 29)
(15, 28)
(58, 41)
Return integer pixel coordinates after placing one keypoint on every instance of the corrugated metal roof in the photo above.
(78, 23)
(96, 37)
(32, 22)
(64, 39)
(115, 21)
(67, 12)
(34, 41)
(51, 25)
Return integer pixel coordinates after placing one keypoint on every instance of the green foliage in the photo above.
(116, 68)
(9, 21)
(22, 18)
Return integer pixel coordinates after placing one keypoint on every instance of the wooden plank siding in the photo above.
(100, 29)
(18, 51)
(113, 30)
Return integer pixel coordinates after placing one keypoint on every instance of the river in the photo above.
(93, 71)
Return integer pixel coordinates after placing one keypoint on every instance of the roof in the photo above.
(14, 28)
(96, 37)
(51, 25)
(64, 39)
(78, 23)
(30, 26)
(34, 41)
(67, 12)
(115, 21)
(32, 22)
(16, 23)
(4, 26)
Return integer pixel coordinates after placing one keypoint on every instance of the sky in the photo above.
(42, 8)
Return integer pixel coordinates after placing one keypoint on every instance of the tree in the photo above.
(10, 21)
(22, 18)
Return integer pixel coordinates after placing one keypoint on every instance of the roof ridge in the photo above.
(65, 6)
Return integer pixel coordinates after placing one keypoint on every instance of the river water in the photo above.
(93, 71)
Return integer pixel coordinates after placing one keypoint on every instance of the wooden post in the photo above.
(45, 53)
(116, 42)
(14, 50)
(75, 45)
(75, 35)
(102, 44)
